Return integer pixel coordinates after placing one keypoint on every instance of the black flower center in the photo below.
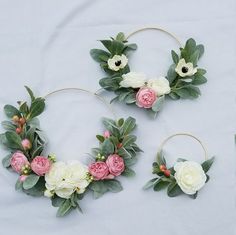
(118, 63)
(184, 69)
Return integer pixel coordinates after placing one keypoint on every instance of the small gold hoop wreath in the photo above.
(134, 88)
(66, 183)
(185, 177)
(183, 134)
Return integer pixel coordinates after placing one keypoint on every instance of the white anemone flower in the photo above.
(117, 62)
(185, 69)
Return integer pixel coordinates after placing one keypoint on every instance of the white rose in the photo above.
(134, 80)
(185, 69)
(56, 175)
(160, 85)
(189, 176)
(66, 178)
(117, 62)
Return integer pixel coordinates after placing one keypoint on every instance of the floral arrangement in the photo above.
(131, 87)
(185, 177)
(65, 182)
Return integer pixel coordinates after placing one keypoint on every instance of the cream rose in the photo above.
(160, 85)
(65, 178)
(134, 80)
(189, 176)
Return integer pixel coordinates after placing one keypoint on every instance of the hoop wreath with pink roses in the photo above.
(135, 88)
(66, 183)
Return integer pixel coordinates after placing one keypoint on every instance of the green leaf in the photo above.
(158, 104)
(24, 108)
(128, 140)
(190, 46)
(171, 74)
(100, 138)
(13, 140)
(150, 183)
(64, 208)
(120, 37)
(30, 181)
(175, 57)
(107, 44)
(37, 151)
(98, 188)
(11, 111)
(113, 185)
(120, 121)
(200, 48)
(194, 58)
(199, 78)
(111, 83)
(160, 185)
(7, 125)
(6, 161)
(128, 172)
(107, 147)
(30, 93)
(37, 107)
(207, 164)
(174, 190)
(99, 55)
(188, 92)
(130, 161)
(38, 189)
(181, 160)
(18, 185)
(128, 126)
(57, 201)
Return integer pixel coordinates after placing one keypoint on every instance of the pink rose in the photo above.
(107, 134)
(99, 170)
(26, 144)
(145, 97)
(22, 178)
(18, 160)
(40, 165)
(115, 164)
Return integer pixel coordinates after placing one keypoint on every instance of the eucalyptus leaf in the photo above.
(175, 57)
(207, 164)
(128, 140)
(150, 183)
(30, 181)
(11, 111)
(6, 161)
(174, 190)
(113, 185)
(99, 55)
(158, 104)
(64, 208)
(13, 140)
(37, 107)
(9, 126)
(30, 93)
(128, 126)
(128, 172)
(160, 185)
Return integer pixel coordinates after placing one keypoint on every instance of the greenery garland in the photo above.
(181, 81)
(65, 183)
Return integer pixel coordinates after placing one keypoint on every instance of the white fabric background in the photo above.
(45, 44)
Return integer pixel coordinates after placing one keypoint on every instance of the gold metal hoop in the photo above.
(183, 134)
(154, 28)
(87, 91)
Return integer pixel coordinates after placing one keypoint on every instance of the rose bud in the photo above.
(119, 145)
(22, 178)
(106, 134)
(22, 121)
(167, 173)
(26, 144)
(18, 130)
(162, 168)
